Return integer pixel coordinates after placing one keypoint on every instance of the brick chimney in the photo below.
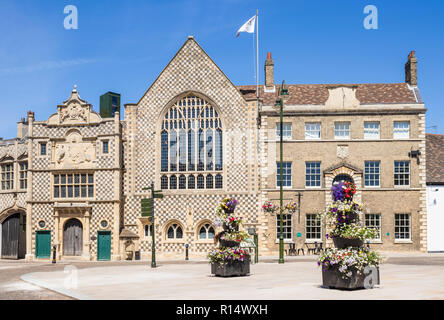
(269, 73)
(411, 70)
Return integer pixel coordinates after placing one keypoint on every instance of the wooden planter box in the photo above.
(231, 268)
(228, 243)
(343, 243)
(332, 278)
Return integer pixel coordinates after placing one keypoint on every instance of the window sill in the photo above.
(403, 241)
(310, 241)
(285, 241)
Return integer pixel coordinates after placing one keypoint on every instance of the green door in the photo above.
(43, 244)
(104, 245)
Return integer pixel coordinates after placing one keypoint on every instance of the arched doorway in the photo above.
(343, 177)
(13, 237)
(73, 238)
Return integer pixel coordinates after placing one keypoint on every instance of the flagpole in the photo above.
(257, 62)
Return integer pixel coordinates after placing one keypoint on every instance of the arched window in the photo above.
(206, 232)
(173, 182)
(191, 182)
(219, 183)
(164, 183)
(343, 177)
(182, 182)
(200, 182)
(191, 140)
(210, 184)
(174, 232)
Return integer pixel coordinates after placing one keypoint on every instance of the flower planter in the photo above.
(332, 278)
(343, 243)
(231, 268)
(227, 228)
(228, 243)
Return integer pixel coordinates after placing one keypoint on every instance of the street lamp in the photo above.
(280, 103)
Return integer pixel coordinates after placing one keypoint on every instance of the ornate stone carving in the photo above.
(342, 152)
(74, 152)
(74, 111)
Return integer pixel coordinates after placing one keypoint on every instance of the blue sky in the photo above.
(122, 45)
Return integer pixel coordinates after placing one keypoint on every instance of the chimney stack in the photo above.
(269, 73)
(411, 70)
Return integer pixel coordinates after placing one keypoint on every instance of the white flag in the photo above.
(247, 27)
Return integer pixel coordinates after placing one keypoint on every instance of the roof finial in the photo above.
(75, 88)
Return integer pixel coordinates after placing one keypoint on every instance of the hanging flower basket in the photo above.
(269, 207)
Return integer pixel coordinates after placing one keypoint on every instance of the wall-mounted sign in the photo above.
(299, 235)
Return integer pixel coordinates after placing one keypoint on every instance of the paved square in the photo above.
(401, 278)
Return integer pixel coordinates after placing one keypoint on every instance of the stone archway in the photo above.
(340, 171)
(13, 234)
(73, 238)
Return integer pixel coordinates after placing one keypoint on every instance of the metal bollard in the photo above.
(54, 248)
(186, 252)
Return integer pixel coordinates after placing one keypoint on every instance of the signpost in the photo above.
(148, 211)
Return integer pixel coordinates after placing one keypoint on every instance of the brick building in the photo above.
(75, 180)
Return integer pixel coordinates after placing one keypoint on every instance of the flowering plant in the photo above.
(340, 212)
(347, 260)
(270, 207)
(354, 231)
(232, 236)
(221, 255)
(343, 191)
(232, 223)
(227, 205)
(291, 207)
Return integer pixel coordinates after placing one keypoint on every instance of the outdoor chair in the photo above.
(310, 248)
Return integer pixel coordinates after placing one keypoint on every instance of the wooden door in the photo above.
(73, 238)
(43, 244)
(10, 237)
(104, 245)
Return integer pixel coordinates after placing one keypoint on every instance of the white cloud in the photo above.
(44, 65)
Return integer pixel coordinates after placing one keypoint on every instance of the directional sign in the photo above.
(147, 207)
(158, 194)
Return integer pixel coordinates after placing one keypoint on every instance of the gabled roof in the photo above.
(435, 158)
(317, 94)
(342, 164)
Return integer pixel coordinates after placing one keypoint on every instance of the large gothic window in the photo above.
(191, 145)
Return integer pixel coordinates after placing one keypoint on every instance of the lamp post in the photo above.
(280, 103)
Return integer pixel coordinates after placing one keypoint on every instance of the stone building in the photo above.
(435, 192)
(76, 180)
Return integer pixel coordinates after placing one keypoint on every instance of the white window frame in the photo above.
(320, 175)
(371, 173)
(372, 130)
(370, 221)
(286, 131)
(401, 240)
(310, 240)
(341, 126)
(401, 132)
(287, 217)
(203, 225)
(284, 175)
(312, 129)
(4, 173)
(23, 175)
(394, 173)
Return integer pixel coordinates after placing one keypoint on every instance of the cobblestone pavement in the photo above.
(299, 279)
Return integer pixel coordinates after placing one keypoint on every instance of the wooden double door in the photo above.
(73, 238)
(13, 237)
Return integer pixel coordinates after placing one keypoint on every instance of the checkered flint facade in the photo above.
(89, 197)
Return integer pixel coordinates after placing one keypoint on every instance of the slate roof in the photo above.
(435, 158)
(317, 94)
